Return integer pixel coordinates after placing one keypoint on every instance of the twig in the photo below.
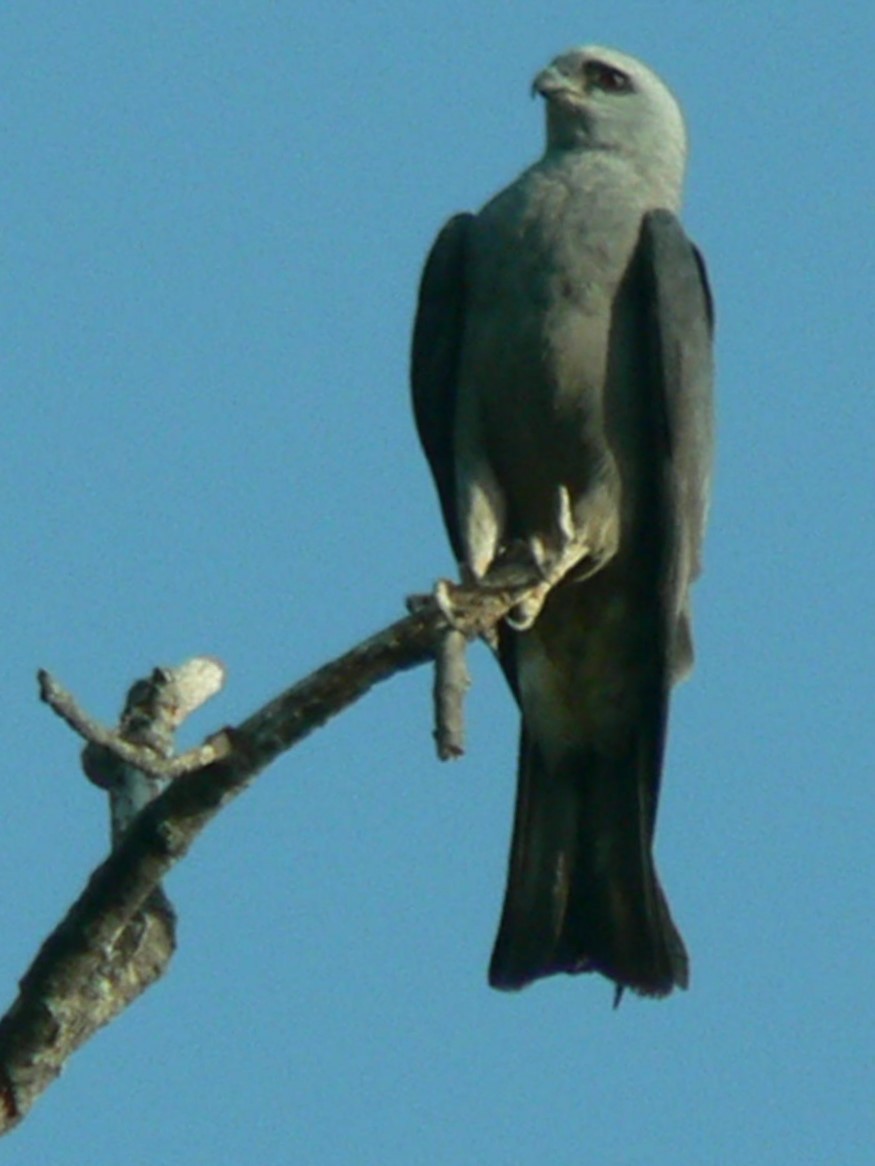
(451, 681)
(154, 710)
(142, 757)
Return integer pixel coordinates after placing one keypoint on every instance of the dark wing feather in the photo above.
(680, 315)
(437, 338)
(679, 327)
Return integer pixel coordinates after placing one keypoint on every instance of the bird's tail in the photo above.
(582, 892)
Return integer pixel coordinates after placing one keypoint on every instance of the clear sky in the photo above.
(213, 221)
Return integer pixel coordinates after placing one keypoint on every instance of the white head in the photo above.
(600, 99)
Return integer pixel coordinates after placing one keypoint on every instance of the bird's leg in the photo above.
(553, 556)
(573, 543)
(564, 518)
(570, 550)
(585, 546)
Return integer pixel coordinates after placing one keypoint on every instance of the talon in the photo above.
(444, 599)
(524, 613)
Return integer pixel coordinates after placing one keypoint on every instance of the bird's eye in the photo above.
(607, 78)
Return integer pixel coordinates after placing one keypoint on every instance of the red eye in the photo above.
(607, 78)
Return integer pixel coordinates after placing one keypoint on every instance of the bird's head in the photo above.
(601, 99)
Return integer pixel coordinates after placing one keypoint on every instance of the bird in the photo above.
(562, 386)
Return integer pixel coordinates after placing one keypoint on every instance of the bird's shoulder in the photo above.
(540, 193)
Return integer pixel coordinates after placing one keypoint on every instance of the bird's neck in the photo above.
(601, 171)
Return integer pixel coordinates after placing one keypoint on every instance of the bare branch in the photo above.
(118, 936)
(80, 982)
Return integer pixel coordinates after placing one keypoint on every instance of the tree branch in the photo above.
(118, 936)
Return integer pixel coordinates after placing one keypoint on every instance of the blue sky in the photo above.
(213, 221)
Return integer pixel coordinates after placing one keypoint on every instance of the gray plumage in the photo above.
(561, 375)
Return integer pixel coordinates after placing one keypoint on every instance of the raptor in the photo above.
(562, 387)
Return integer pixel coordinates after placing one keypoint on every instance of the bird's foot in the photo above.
(574, 544)
(447, 605)
(580, 550)
(552, 557)
(524, 613)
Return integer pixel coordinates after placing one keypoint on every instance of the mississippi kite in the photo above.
(562, 373)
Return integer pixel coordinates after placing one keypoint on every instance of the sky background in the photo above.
(213, 218)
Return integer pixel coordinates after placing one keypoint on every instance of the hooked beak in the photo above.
(552, 84)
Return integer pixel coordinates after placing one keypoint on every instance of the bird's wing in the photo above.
(678, 316)
(437, 337)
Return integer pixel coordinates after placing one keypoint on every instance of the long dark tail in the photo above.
(582, 892)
